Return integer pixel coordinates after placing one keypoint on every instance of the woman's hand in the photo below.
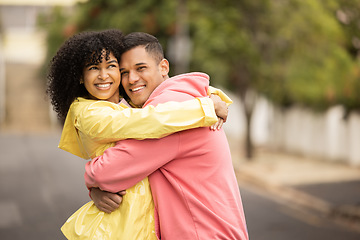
(106, 201)
(221, 111)
(218, 125)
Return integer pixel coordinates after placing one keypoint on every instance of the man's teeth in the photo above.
(137, 89)
(103, 85)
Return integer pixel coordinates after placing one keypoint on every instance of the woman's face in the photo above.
(102, 80)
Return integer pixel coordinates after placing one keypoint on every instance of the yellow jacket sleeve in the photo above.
(103, 121)
(221, 94)
(91, 122)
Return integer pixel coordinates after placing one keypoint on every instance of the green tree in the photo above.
(228, 44)
(348, 15)
(290, 51)
(152, 16)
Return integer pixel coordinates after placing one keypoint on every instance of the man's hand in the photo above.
(106, 201)
(221, 111)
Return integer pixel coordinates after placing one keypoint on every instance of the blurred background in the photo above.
(292, 68)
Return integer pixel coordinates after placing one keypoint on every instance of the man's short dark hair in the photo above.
(151, 44)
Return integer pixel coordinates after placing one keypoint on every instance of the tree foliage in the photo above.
(152, 16)
(292, 51)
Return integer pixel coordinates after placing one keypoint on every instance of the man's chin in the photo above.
(137, 104)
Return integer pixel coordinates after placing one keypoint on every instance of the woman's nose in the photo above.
(103, 74)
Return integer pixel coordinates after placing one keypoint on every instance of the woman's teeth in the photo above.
(103, 85)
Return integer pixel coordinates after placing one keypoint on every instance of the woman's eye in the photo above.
(124, 74)
(93, 68)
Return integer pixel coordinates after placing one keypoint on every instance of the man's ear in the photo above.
(164, 67)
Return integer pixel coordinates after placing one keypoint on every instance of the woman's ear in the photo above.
(164, 67)
(81, 80)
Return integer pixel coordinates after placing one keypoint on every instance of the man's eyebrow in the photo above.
(137, 64)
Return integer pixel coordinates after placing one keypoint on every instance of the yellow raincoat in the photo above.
(93, 126)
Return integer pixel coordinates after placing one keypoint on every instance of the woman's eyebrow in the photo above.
(113, 61)
(91, 64)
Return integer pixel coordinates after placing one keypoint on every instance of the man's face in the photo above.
(141, 74)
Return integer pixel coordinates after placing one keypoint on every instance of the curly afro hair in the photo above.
(66, 67)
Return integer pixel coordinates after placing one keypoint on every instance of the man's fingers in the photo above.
(106, 201)
(102, 206)
(111, 204)
(122, 193)
(114, 199)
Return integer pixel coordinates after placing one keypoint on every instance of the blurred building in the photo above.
(23, 106)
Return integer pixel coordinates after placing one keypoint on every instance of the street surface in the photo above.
(271, 219)
(40, 186)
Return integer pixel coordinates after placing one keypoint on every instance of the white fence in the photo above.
(326, 136)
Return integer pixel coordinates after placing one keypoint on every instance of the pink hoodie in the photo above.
(191, 175)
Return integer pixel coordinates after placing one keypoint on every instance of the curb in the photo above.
(346, 215)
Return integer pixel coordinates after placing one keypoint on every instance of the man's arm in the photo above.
(130, 161)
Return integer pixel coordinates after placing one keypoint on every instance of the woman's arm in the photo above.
(104, 122)
(221, 94)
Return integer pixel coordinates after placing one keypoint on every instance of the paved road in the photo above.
(40, 186)
(269, 218)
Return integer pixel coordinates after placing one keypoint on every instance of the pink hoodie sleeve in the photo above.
(129, 161)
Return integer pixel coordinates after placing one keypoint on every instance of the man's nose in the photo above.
(133, 77)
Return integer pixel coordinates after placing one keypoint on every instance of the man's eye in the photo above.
(141, 68)
(124, 74)
(93, 68)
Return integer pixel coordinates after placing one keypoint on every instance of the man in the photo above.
(191, 175)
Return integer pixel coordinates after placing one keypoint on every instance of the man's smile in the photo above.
(137, 89)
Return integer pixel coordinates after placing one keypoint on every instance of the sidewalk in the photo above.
(327, 189)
